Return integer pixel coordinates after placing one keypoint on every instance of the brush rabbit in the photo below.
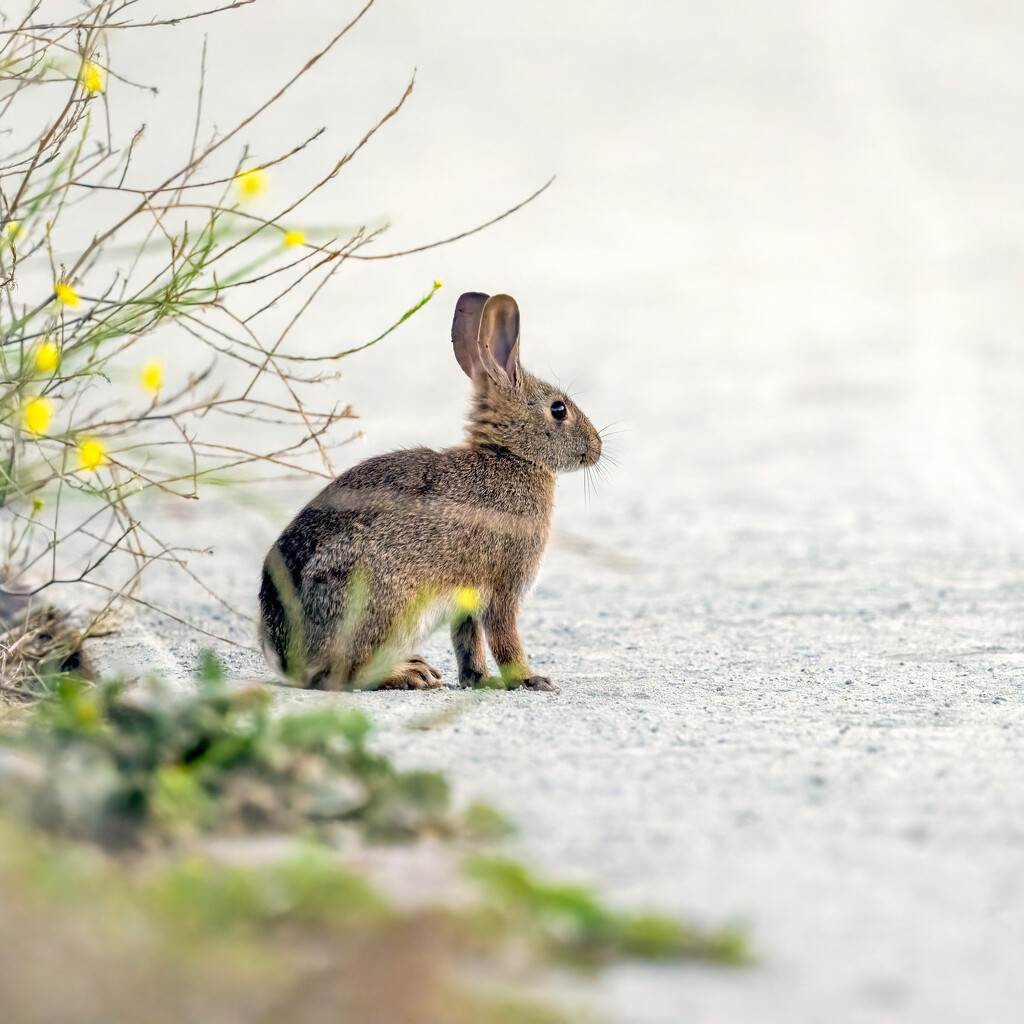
(405, 539)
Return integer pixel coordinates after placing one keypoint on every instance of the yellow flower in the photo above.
(66, 295)
(48, 356)
(91, 454)
(250, 184)
(467, 600)
(437, 284)
(294, 238)
(91, 77)
(37, 415)
(153, 376)
(13, 231)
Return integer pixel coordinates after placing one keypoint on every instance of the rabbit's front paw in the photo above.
(471, 679)
(412, 674)
(540, 683)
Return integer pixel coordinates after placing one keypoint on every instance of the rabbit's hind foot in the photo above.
(412, 674)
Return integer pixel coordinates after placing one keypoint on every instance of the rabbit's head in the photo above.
(512, 409)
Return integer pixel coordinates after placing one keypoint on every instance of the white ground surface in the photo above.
(786, 249)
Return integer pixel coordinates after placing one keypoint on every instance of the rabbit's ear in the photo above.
(499, 336)
(466, 330)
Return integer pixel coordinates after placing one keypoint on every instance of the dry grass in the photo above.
(36, 648)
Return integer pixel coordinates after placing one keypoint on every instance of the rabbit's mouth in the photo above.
(592, 454)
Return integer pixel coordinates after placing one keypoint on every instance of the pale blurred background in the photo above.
(784, 252)
(803, 222)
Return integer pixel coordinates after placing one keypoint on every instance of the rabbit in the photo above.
(403, 540)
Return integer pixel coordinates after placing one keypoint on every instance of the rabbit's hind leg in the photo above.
(382, 639)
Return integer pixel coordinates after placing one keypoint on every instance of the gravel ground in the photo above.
(785, 251)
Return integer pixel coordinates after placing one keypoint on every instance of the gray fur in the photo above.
(392, 544)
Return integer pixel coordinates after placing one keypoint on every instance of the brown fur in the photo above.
(391, 542)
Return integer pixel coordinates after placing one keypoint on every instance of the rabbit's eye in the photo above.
(558, 409)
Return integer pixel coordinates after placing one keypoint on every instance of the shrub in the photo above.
(95, 415)
(144, 766)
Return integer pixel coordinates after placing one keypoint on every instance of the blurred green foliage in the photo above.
(164, 939)
(572, 923)
(124, 767)
(177, 847)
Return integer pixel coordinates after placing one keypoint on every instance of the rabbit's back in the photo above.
(456, 503)
(409, 519)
